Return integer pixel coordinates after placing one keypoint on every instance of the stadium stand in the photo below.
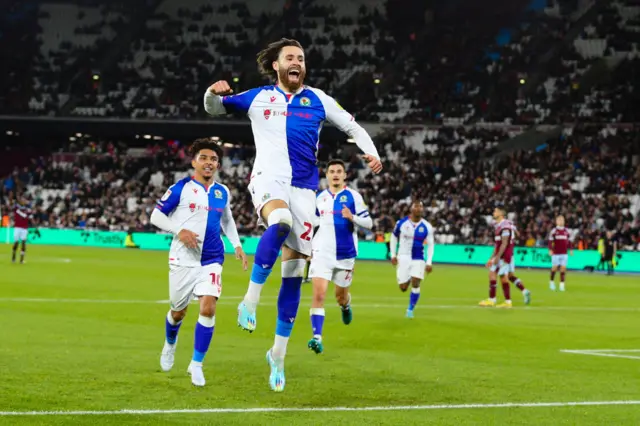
(577, 60)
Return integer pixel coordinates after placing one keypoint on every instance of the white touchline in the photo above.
(611, 353)
(228, 301)
(320, 409)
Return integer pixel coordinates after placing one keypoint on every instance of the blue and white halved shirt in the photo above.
(286, 129)
(205, 211)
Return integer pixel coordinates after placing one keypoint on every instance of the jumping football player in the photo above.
(286, 119)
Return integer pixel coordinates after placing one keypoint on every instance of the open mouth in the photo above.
(208, 169)
(294, 75)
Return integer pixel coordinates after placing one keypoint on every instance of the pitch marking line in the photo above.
(612, 353)
(319, 409)
(228, 301)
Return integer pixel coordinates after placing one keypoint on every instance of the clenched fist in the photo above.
(220, 88)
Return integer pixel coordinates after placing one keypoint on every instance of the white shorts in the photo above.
(301, 202)
(409, 268)
(186, 282)
(512, 267)
(20, 234)
(340, 272)
(559, 259)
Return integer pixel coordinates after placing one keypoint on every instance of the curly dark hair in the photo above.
(267, 56)
(205, 143)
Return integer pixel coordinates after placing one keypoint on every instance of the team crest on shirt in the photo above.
(218, 193)
(343, 199)
(192, 207)
(166, 195)
(305, 102)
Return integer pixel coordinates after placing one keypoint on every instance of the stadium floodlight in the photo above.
(147, 136)
(522, 81)
(72, 138)
(9, 132)
(236, 79)
(78, 135)
(228, 145)
(96, 77)
(376, 80)
(157, 138)
(215, 138)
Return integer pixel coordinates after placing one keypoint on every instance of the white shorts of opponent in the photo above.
(20, 234)
(186, 282)
(301, 202)
(408, 268)
(504, 268)
(559, 259)
(340, 272)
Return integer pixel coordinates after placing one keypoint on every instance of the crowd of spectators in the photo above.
(589, 174)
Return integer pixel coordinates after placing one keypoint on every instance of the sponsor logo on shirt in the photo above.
(267, 114)
(166, 195)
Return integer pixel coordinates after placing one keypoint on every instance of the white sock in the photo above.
(171, 320)
(279, 349)
(552, 284)
(252, 297)
(493, 299)
(415, 290)
(561, 286)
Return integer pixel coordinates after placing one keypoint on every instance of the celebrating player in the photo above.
(21, 215)
(335, 246)
(286, 119)
(413, 232)
(194, 210)
(500, 260)
(559, 246)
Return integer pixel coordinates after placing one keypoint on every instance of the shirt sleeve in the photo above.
(396, 230)
(170, 199)
(431, 243)
(228, 225)
(362, 210)
(345, 122)
(219, 105)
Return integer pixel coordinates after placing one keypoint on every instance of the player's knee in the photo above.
(282, 218)
(208, 311)
(319, 297)
(415, 282)
(178, 315)
(404, 286)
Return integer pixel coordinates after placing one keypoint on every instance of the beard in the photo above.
(289, 81)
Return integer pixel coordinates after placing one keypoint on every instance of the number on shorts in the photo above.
(215, 280)
(306, 235)
(348, 276)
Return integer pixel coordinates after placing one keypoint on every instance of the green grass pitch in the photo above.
(101, 351)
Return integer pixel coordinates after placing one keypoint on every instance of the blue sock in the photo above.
(317, 321)
(414, 297)
(288, 303)
(171, 329)
(202, 339)
(268, 250)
